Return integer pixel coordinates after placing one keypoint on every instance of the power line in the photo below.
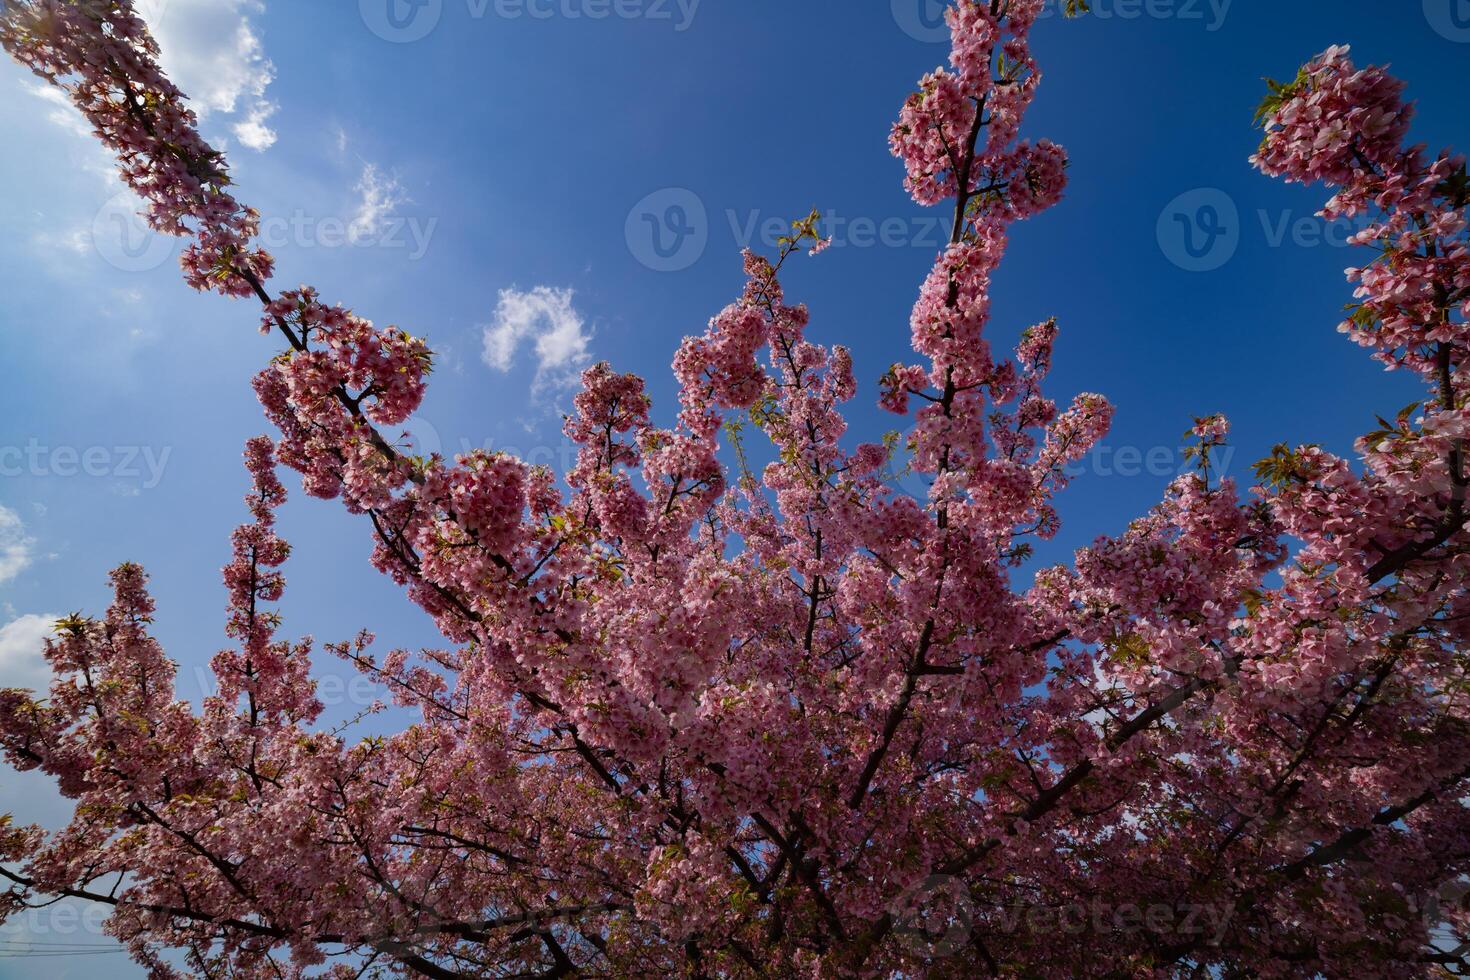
(54, 954)
(28, 952)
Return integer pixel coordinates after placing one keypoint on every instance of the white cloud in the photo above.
(22, 649)
(77, 241)
(545, 319)
(378, 198)
(211, 51)
(94, 158)
(62, 112)
(16, 547)
(252, 132)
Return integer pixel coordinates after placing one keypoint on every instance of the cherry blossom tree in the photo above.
(689, 719)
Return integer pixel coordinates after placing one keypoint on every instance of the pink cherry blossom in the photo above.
(722, 701)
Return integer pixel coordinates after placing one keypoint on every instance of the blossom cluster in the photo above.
(711, 708)
(103, 57)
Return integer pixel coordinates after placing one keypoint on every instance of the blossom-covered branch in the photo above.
(781, 723)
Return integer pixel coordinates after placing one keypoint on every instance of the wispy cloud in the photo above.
(252, 132)
(22, 652)
(77, 241)
(60, 111)
(545, 320)
(212, 51)
(378, 196)
(17, 548)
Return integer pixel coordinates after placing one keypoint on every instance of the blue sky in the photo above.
(532, 186)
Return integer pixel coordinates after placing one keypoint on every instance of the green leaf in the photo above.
(1285, 465)
(1280, 94)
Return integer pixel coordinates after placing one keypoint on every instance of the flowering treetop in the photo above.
(793, 723)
